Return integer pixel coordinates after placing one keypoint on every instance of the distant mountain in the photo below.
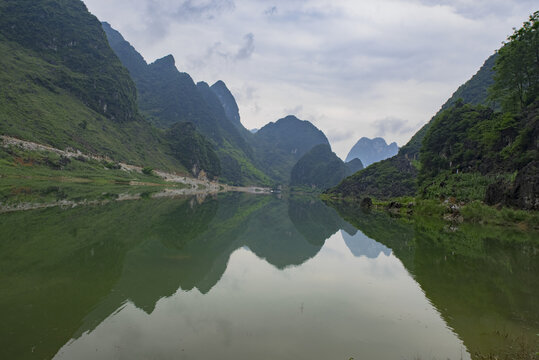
(372, 150)
(254, 131)
(397, 176)
(319, 168)
(281, 144)
(168, 96)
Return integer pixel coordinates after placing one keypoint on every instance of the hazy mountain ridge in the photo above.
(372, 150)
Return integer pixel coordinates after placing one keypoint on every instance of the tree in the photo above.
(516, 81)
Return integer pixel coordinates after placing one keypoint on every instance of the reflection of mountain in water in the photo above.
(361, 245)
(71, 269)
(483, 280)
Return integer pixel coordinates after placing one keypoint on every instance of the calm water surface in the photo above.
(257, 277)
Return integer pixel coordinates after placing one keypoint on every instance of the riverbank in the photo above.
(34, 176)
(450, 210)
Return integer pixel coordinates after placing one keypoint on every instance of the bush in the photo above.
(147, 171)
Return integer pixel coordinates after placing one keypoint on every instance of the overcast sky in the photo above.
(353, 68)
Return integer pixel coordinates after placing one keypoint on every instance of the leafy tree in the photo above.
(517, 67)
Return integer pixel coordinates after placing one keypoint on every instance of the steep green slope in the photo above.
(280, 145)
(319, 168)
(472, 147)
(396, 176)
(473, 91)
(62, 85)
(63, 33)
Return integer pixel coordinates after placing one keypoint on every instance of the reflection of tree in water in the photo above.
(483, 280)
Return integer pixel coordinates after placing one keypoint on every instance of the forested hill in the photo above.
(473, 91)
(397, 176)
(470, 151)
(62, 85)
(281, 144)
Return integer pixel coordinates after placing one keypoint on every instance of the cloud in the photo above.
(296, 111)
(247, 49)
(392, 126)
(196, 9)
(338, 135)
(271, 11)
(355, 62)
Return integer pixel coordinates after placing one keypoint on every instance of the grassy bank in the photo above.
(42, 176)
(450, 210)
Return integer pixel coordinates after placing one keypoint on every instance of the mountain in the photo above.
(372, 150)
(62, 85)
(397, 176)
(319, 168)
(354, 166)
(468, 151)
(473, 91)
(228, 102)
(472, 152)
(168, 96)
(279, 145)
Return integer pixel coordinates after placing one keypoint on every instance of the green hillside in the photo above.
(476, 153)
(397, 176)
(469, 151)
(62, 85)
(281, 144)
(319, 168)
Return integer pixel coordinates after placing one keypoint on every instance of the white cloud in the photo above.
(348, 63)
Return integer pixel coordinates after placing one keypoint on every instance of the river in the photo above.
(239, 276)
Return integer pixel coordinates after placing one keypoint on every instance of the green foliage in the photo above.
(462, 186)
(147, 171)
(517, 68)
(319, 168)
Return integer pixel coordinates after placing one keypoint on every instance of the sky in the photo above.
(353, 68)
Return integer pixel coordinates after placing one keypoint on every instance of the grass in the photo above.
(33, 108)
(473, 212)
(42, 176)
